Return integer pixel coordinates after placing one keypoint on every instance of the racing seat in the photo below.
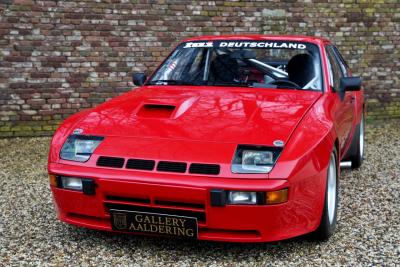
(225, 69)
(300, 69)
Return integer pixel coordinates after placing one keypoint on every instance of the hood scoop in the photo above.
(156, 111)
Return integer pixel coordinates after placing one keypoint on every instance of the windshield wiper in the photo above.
(168, 82)
(231, 84)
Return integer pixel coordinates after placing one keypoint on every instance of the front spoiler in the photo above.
(233, 223)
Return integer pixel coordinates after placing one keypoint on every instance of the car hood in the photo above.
(206, 114)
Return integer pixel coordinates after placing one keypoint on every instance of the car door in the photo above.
(344, 112)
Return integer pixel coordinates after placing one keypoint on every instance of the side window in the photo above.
(336, 71)
(342, 62)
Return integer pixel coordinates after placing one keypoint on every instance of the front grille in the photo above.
(199, 168)
(169, 166)
(110, 162)
(201, 216)
(140, 164)
(163, 166)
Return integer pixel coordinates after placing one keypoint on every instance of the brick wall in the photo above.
(57, 57)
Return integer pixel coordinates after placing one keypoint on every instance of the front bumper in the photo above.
(190, 196)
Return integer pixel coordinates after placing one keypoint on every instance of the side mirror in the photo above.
(138, 78)
(350, 84)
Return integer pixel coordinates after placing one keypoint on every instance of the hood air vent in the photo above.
(156, 111)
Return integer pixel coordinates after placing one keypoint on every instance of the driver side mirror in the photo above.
(350, 84)
(139, 78)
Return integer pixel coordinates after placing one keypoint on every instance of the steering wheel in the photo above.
(286, 82)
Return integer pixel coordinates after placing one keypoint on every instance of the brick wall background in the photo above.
(57, 57)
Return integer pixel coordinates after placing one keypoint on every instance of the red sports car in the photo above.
(232, 138)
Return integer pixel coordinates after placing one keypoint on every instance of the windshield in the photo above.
(261, 64)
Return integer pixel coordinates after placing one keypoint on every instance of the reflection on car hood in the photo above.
(212, 114)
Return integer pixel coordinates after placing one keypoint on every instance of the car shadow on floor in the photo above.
(181, 249)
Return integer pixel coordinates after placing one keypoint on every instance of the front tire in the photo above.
(329, 214)
(358, 145)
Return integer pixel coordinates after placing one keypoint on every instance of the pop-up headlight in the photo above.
(255, 159)
(79, 147)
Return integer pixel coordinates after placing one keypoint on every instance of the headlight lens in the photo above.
(255, 159)
(80, 147)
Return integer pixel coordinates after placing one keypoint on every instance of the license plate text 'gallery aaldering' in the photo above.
(164, 224)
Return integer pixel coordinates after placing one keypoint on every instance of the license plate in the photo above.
(154, 223)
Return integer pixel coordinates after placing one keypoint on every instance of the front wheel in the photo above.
(358, 145)
(329, 215)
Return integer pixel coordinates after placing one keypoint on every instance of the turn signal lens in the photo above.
(277, 197)
(53, 180)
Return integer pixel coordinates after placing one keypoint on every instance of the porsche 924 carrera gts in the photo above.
(232, 138)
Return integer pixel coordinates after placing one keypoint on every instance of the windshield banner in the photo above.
(246, 44)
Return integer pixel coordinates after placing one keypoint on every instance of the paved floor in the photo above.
(368, 229)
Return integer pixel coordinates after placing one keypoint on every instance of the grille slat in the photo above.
(200, 168)
(110, 162)
(179, 204)
(169, 166)
(140, 164)
(129, 199)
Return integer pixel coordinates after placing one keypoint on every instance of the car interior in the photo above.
(241, 66)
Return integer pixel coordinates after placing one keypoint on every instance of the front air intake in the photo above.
(199, 168)
(162, 166)
(140, 164)
(168, 166)
(111, 162)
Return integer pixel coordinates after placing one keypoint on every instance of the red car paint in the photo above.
(206, 126)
